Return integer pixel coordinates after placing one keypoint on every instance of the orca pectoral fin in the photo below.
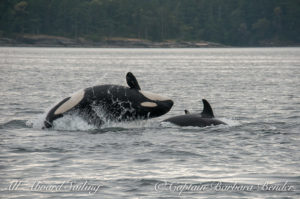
(51, 115)
(207, 110)
(132, 82)
(187, 112)
(49, 123)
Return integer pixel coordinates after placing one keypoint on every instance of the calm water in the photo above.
(256, 91)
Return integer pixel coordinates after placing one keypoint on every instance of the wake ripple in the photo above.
(14, 124)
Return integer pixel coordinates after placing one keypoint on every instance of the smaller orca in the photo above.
(206, 118)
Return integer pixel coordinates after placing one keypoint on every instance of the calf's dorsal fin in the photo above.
(132, 82)
(207, 110)
(187, 112)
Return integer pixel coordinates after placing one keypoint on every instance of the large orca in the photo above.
(113, 102)
(206, 118)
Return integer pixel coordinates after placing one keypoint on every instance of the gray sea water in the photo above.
(255, 90)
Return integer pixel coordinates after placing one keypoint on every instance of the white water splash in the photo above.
(74, 122)
(38, 122)
(230, 122)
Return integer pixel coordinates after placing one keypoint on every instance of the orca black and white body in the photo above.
(115, 102)
(206, 118)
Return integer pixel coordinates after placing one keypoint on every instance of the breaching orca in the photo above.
(206, 118)
(115, 102)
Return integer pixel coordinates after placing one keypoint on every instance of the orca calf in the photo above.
(115, 102)
(206, 118)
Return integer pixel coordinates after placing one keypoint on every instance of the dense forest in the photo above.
(230, 22)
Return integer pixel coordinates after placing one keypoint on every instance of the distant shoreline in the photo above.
(57, 41)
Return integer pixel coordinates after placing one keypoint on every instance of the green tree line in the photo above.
(231, 22)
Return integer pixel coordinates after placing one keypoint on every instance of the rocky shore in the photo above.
(55, 41)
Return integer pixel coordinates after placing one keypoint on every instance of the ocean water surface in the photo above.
(256, 91)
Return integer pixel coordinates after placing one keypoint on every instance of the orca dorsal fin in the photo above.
(207, 110)
(187, 112)
(132, 82)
